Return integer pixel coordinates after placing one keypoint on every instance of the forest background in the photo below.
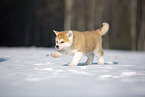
(31, 22)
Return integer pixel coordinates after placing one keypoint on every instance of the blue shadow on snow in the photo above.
(81, 64)
(3, 59)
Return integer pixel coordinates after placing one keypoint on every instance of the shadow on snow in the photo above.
(3, 59)
(107, 63)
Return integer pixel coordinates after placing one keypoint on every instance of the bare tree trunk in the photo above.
(99, 12)
(80, 14)
(91, 16)
(133, 23)
(138, 26)
(106, 18)
(29, 25)
(141, 42)
(114, 18)
(143, 24)
(68, 14)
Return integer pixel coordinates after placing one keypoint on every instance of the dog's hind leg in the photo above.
(99, 54)
(90, 58)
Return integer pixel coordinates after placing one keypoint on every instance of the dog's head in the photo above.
(63, 39)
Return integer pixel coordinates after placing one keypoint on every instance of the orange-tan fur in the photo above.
(87, 43)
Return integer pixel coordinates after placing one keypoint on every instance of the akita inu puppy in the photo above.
(77, 43)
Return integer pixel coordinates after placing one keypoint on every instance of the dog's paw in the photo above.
(85, 64)
(101, 63)
(72, 64)
(54, 55)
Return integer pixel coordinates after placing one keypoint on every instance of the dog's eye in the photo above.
(56, 41)
(62, 42)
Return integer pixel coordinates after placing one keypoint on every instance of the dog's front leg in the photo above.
(57, 54)
(76, 58)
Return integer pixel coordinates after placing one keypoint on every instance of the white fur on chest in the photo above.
(71, 52)
(67, 51)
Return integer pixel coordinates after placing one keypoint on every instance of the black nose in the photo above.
(57, 46)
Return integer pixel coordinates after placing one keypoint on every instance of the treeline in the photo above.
(126, 19)
(30, 22)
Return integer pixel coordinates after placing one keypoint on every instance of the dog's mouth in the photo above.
(58, 47)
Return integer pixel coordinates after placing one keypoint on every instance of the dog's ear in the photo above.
(56, 32)
(70, 34)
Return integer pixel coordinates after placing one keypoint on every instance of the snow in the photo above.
(32, 72)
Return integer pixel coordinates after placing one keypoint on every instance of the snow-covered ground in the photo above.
(32, 72)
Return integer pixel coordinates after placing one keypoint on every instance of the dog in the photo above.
(78, 43)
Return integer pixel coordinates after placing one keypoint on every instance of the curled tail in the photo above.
(103, 30)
